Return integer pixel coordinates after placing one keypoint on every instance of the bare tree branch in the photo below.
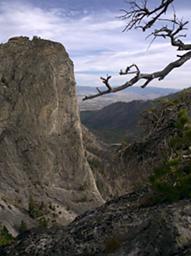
(138, 14)
(106, 82)
(160, 75)
(173, 33)
(173, 30)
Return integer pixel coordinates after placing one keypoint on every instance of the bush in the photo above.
(5, 237)
(43, 223)
(23, 227)
(94, 163)
(172, 179)
(35, 210)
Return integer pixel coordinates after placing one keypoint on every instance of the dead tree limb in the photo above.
(160, 75)
(172, 30)
(138, 14)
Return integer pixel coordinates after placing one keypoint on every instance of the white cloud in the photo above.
(95, 42)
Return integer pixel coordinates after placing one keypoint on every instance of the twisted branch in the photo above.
(173, 33)
(148, 77)
(136, 16)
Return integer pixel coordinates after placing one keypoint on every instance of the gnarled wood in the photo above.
(139, 16)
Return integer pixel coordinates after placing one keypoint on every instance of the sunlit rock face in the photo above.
(41, 153)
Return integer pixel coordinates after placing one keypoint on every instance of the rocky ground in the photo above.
(127, 226)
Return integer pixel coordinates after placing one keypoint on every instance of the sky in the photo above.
(91, 32)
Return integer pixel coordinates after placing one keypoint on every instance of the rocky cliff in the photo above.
(43, 169)
(103, 163)
(126, 226)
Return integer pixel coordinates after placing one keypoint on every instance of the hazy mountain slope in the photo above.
(130, 94)
(116, 121)
(121, 121)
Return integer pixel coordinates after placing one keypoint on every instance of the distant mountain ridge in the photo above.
(130, 94)
(116, 121)
(120, 120)
(135, 89)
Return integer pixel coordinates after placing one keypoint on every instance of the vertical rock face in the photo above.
(41, 153)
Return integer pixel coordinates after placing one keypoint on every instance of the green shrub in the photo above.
(5, 237)
(94, 163)
(183, 118)
(43, 223)
(35, 209)
(22, 227)
(172, 185)
(172, 180)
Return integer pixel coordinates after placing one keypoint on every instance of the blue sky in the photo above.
(92, 34)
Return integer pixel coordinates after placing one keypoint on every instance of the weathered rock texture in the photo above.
(42, 159)
(102, 163)
(126, 226)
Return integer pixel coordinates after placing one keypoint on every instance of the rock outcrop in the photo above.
(43, 169)
(127, 226)
(102, 162)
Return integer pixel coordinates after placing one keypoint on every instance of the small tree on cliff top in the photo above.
(141, 16)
